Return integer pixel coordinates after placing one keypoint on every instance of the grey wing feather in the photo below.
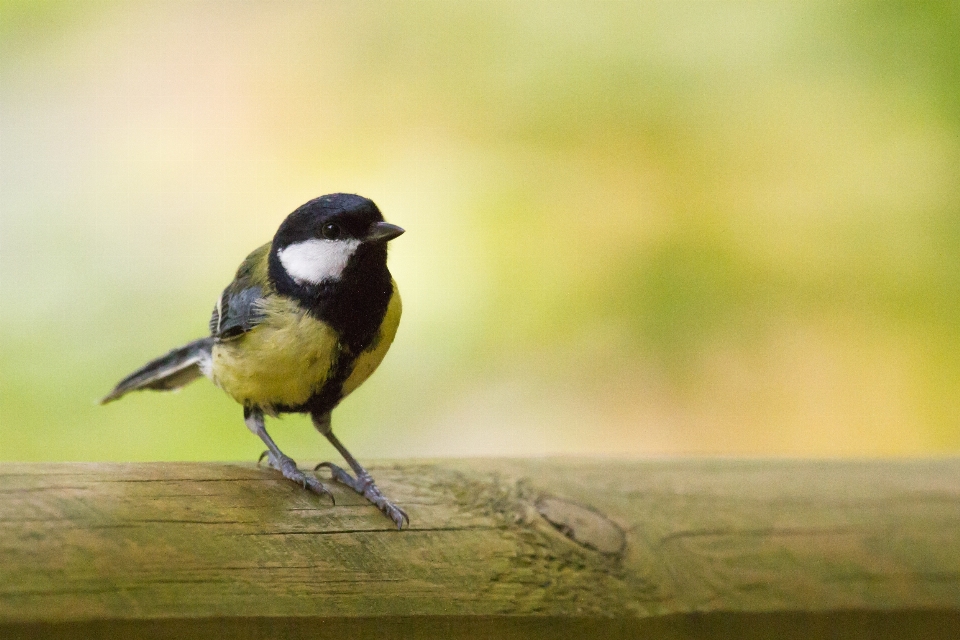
(168, 372)
(236, 312)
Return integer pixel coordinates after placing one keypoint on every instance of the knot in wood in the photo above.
(583, 525)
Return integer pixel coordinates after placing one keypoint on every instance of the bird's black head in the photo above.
(318, 241)
(337, 217)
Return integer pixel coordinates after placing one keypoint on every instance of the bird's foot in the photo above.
(364, 485)
(286, 466)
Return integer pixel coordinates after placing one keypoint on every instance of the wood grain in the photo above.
(497, 548)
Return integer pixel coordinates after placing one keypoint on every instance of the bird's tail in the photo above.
(168, 372)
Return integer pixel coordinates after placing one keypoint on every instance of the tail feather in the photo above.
(168, 372)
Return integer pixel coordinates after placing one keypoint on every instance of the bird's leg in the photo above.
(362, 483)
(278, 459)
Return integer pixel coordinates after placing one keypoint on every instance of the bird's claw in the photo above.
(364, 485)
(286, 466)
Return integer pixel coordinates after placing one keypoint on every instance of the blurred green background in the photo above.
(644, 228)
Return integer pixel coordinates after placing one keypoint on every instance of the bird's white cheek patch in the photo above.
(317, 260)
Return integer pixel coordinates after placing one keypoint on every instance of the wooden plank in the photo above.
(497, 548)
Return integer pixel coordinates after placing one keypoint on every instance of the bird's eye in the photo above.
(331, 231)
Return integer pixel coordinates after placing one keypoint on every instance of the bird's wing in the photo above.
(240, 307)
(236, 312)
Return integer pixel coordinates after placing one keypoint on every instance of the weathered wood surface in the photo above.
(497, 548)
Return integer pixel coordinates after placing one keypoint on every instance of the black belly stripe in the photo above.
(354, 306)
(331, 393)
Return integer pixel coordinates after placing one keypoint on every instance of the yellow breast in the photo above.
(282, 361)
(286, 359)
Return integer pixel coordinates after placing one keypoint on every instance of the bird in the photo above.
(307, 319)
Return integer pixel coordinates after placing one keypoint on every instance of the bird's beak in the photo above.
(383, 232)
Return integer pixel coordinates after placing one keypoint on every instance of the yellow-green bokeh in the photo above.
(638, 228)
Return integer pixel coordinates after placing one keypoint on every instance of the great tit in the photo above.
(308, 317)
